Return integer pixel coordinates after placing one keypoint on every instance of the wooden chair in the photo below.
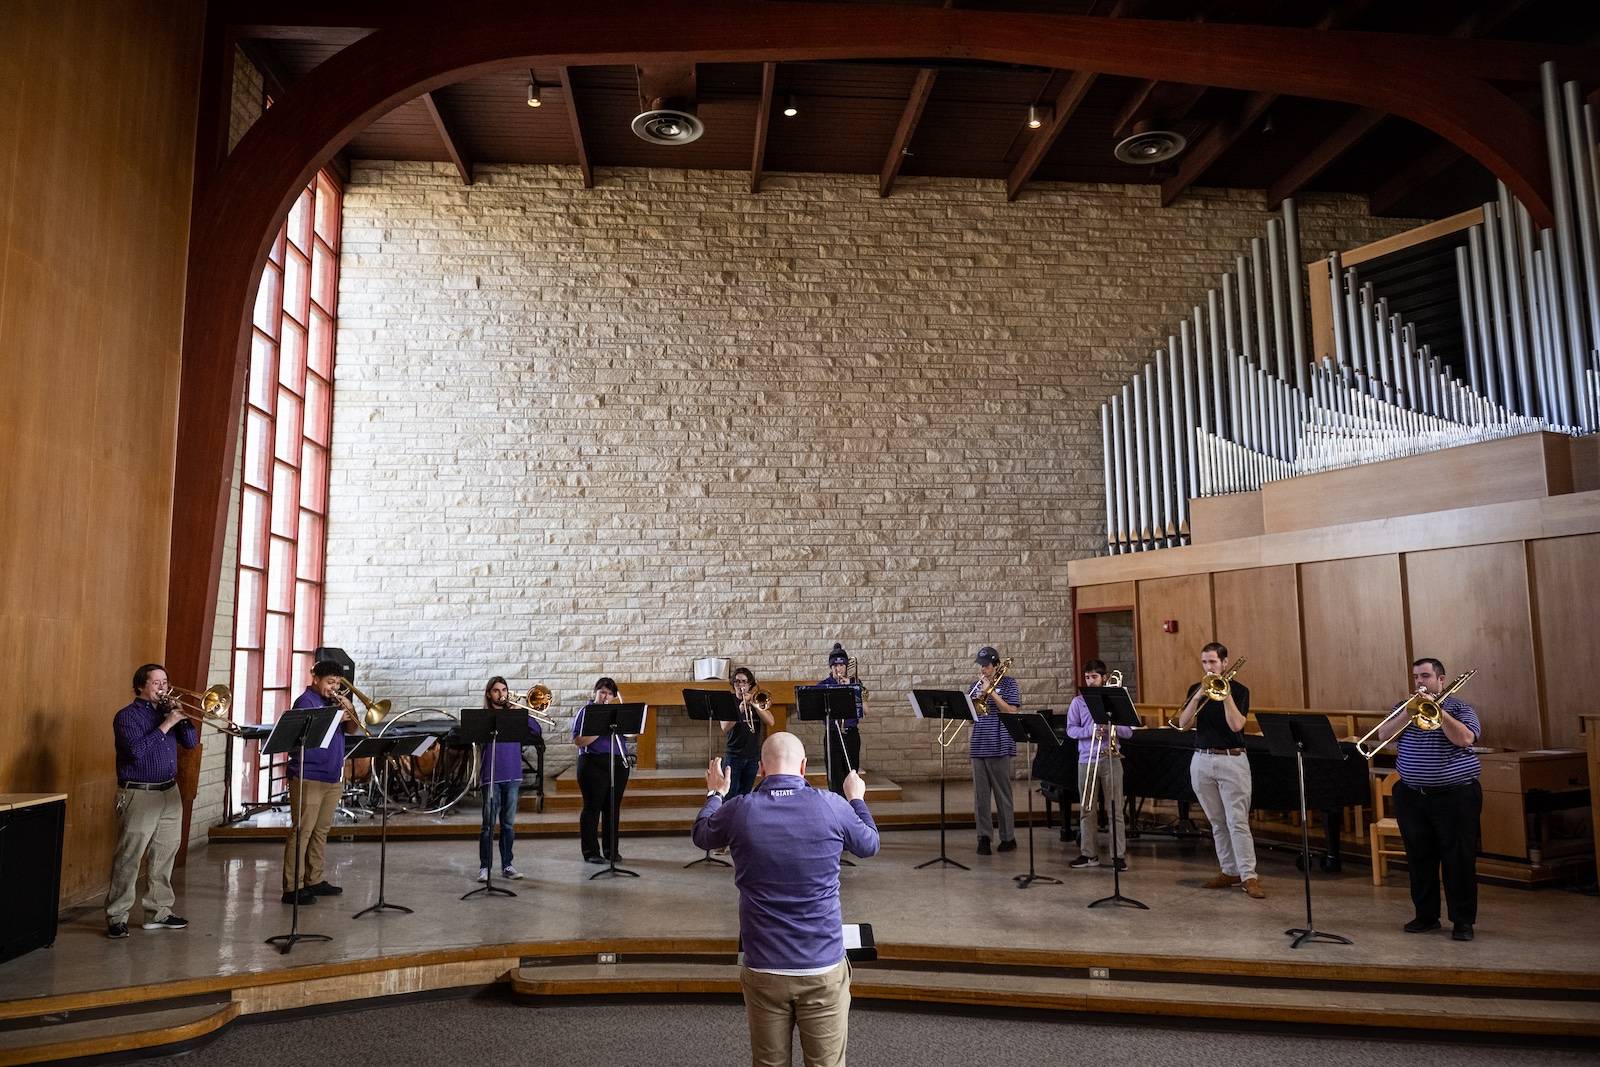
(1384, 826)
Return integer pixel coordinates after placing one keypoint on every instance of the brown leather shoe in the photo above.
(1252, 888)
(1220, 881)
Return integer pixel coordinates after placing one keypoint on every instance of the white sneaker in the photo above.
(510, 872)
(483, 874)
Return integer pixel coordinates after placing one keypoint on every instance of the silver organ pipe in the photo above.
(1218, 410)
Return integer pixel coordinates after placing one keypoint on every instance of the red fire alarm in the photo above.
(1169, 626)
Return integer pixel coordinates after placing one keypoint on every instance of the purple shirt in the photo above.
(1080, 725)
(602, 743)
(786, 839)
(144, 753)
(322, 764)
(507, 758)
(832, 683)
(989, 738)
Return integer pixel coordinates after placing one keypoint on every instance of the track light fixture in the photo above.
(1037, 116)
(791, 108)
(534, 98)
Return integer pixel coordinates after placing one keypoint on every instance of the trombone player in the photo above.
(1219, 773)
(501, 778)
(149, 810)
(1438, 802)
(993, 753)
(743, 738)
(320, 777)
(1096, 746)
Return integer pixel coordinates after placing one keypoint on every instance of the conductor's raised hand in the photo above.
(855, 787)
(718, 778)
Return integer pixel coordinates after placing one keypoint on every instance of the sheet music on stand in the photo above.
(300, 729)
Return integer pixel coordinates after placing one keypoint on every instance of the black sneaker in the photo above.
(1008, 846)
(1121, 863)
(306, 897)
(1085, 861)
(1420, 926)
(593, 859)
(325, 889)
(171, 922)
(983, 846)
(117, 931)
(1462, 932)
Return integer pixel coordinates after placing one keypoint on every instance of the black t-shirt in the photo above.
(745, 743)
(1211, 721)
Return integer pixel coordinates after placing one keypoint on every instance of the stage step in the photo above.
(64, 1035)
(676, 778)
(1479, 1010)
(658, 789)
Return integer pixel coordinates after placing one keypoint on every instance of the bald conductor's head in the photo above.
(783, 753)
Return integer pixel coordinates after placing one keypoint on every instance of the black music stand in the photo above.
(298, 730)
(487, 727)
(710, 705)
(382, 748)
(829, 705)
(944, 705)
(1112, 707)
(1299, 736)
(1034, 728)
(614, 720)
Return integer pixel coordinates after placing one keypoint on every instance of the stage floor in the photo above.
(230, 895)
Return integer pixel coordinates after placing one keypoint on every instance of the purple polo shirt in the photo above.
(786, 839)
(601, 744)
(144, 753)
(507, 759)
(1080, 725)
(832, 683)
(322, 764)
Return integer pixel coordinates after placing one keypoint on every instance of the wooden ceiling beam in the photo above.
(916, 103)
(584, 168)
(452, 144)
(1408, 179)
(769, 81)
(1224, 134)
(1061, 112)
(1355, 127)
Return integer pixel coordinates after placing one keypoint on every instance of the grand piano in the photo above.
(1156, 766)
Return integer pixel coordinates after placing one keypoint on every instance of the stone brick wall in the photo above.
(611, 430)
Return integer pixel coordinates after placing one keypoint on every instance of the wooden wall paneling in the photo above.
(1224, 518)
(1518, 520)
(1513, 468)
(1564, 574)
(92, 269)
(1169, 662)
(1115, 596)
(1469, 607)
(1354, 625)
(1321, 310)
(1258, 617)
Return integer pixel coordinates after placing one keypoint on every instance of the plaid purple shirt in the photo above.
(144, 753)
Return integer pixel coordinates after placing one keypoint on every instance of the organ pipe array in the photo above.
(1232, 401)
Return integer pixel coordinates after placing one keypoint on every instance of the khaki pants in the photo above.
(1107, 798)
(149, 822)
(321, 800)
(819, 1003)
(1223, 785)
(992, 777)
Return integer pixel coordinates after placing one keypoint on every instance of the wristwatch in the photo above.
(716, 793)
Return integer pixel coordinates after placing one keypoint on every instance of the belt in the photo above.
(1434, 790)
(1223, 751)
(154, 787)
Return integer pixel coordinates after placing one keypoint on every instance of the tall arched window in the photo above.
(283, 504)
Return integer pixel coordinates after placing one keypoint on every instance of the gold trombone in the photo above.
(1218, 686)
(376, 710)
(980, 700)
(209, 708)
(855, 678)
(535, 702)
(1097, 747)
(1426, 712)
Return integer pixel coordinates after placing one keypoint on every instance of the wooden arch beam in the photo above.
(1441, 84)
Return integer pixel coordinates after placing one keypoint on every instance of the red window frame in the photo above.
(283, 491)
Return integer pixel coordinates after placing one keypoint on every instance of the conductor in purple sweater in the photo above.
(786, 840)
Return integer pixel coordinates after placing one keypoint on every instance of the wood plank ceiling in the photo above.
(968, 120)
